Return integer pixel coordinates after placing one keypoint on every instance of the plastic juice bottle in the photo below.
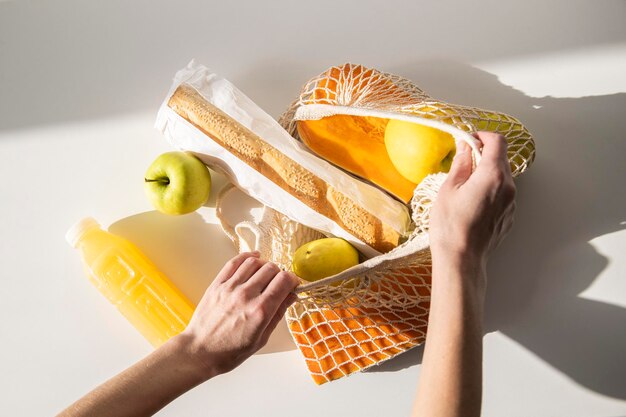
(124, 275)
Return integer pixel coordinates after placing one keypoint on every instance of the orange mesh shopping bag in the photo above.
(379, 308)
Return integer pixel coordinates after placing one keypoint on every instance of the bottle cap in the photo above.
(75, 232)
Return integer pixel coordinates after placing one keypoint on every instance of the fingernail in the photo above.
(255, 253)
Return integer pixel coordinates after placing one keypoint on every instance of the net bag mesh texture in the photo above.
(379, 308)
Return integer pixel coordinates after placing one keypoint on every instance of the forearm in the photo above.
(147, 386)
(451, 376)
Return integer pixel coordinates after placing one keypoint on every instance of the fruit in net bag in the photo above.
(357, 144)
(323, 258)
(417, 150)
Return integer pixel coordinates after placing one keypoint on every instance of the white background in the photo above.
(80, 83)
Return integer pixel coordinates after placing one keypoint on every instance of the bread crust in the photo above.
(288, 174)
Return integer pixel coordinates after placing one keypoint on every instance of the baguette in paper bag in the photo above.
(210, 117)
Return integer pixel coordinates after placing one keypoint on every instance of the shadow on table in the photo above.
(574, 192)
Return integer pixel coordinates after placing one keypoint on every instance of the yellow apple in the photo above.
(417, 150)
(323, 258)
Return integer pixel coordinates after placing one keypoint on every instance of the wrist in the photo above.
(191, 358)
(466, 268)
(461, 257)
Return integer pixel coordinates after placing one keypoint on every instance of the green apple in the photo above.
(417, 150)
(177, 183)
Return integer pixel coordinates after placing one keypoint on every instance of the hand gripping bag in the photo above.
(379, 308)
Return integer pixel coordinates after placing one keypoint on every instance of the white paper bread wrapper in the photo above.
(222, 94)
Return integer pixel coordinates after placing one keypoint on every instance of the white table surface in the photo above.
(80, 82)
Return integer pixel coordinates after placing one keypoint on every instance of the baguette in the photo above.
(283, 171)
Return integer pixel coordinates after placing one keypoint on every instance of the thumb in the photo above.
(461, 167)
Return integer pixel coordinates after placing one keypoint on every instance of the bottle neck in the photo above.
(77, 232)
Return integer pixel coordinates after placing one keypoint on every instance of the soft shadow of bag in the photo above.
(379, 308)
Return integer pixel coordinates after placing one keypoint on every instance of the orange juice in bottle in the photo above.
(124, 275)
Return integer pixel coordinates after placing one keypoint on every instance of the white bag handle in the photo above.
(249, 236)
(245, 235)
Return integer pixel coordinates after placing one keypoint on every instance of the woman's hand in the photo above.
(474, 211)
(238, 312)
(234, 319)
